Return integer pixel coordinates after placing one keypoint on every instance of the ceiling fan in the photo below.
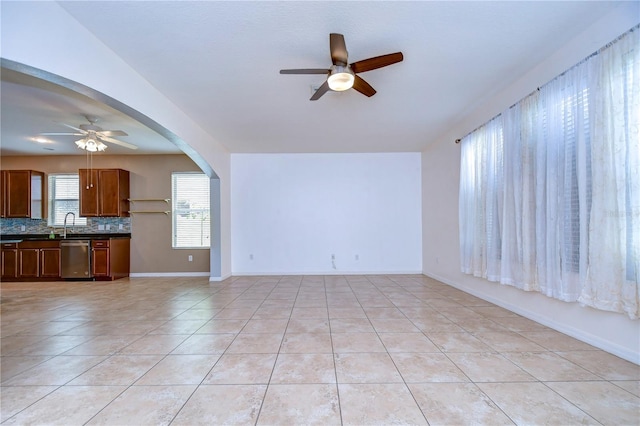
(343, 76)
(93, 137)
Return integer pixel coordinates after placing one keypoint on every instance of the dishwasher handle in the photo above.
(75, 243)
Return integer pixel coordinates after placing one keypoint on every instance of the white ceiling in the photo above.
(219, 63)
(31, 106)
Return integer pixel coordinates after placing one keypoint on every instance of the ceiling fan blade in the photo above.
(377, 62)
(61, 134)
(113, 133)
(321, 91)
(306, 71)
(117, 142)
(363, 87)
(84, 132)
(338, 49)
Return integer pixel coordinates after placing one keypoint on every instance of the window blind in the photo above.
(64, 198)
(191, 218)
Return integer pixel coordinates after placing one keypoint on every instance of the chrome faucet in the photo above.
(64, 232)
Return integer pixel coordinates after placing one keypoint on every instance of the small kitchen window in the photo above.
(64, 197)
(191, 214)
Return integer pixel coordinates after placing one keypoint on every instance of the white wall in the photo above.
(293, 211)
(613, 332)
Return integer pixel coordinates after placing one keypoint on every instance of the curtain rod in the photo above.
(606, 46)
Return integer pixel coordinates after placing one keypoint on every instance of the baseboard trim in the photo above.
(332, 272)
(168, 274)
(581, 335)
(218, 279)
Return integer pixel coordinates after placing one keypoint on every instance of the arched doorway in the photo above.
(216, 270)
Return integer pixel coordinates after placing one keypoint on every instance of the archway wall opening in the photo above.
(42, 39)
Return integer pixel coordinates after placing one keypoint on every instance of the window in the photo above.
(64, 198)
(554, 205)
(191, 210)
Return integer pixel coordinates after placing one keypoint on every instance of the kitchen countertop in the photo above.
(16, 238)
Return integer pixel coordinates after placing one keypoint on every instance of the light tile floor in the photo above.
(324, 350)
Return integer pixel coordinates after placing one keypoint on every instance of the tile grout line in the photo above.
(275, 363)
(212, 367)
(333, 352)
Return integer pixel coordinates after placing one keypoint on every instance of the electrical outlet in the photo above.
(357, 257)
(108, 227)
(23, 228)
(100, 227)
(190, 258)
(120, 227)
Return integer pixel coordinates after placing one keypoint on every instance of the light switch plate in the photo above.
(100, 227)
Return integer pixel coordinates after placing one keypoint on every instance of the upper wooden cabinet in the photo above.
(88, 192)
(22, 194)
(104, 192)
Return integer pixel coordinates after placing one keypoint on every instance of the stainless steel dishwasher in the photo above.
(76, 258)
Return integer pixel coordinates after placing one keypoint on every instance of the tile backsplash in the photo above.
(95, 225)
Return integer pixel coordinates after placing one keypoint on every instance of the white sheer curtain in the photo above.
(480, 202)
(550, 189)
(614, 231)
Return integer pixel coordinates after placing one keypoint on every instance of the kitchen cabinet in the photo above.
(22, 194)
(3, 194)
(31, 260)
(100, 258)
(110, 258)
(50, 262)
(39, 259)
(88, 192)
(9, 261)
(104, 192)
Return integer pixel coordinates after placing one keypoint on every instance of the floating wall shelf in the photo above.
(166, 200)
(150, 211)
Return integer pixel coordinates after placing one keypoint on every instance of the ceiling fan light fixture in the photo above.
(81, 143)
(341, 78)
(91, 144)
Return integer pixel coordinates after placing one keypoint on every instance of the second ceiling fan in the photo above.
(93, 136)
(342, 75)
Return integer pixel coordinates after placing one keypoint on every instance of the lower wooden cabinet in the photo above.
(9, 261)
(29, 261)
(41, 260)
(100, 258)
(38, 259)
(50, 262)
(110, 258)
